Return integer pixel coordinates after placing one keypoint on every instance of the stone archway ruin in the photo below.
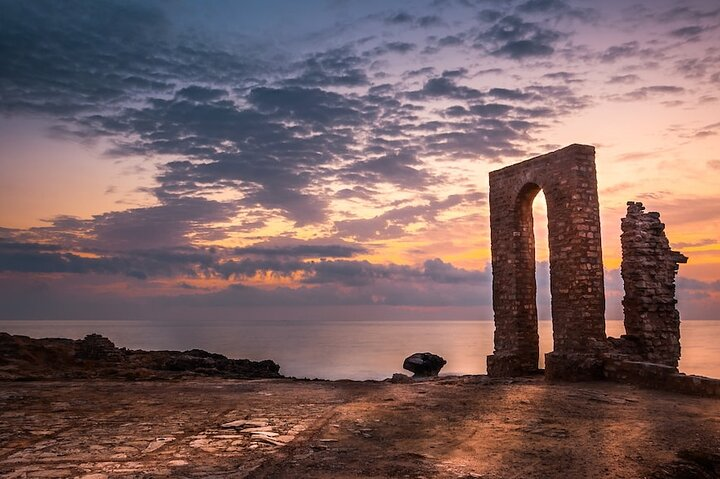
(649, 351)
(568, 179)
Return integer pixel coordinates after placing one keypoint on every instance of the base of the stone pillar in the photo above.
(573, 367)
(509, 365)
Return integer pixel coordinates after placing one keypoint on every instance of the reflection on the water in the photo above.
(347, 349)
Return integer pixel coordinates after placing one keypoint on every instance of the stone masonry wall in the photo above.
(568, 179)
(648, 270)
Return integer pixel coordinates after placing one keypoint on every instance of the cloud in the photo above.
(427, 21)
(557, 7)
(392, 223)
(524, 48)
(396, 47)
(269, 134)
(627, 50)
(515, 38)
(201, 94)
(236, 263)
(688, 32)
(402, 169)
(444, 86)
(647, 92)
(35, 258)
(686, 13)
(442, 272)
(690, 284)
(177, 222)
(567, 77)
(623, 79)
(400, 18)
(63, 59)
(694, 244)
(304, 250)
(334, 67)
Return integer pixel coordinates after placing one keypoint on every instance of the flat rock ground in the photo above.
(447, 428)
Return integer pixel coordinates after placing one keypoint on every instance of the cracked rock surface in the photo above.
(279, 428)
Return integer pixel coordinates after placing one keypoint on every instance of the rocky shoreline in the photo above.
(96, 357)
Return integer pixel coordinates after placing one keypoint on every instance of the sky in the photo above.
(330, 159)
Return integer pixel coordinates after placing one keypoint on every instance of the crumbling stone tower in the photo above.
(648, 270)
(568, 179)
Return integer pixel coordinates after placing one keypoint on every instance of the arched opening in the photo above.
(533, 274)
(542, 276)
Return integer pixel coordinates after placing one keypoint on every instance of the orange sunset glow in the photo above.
(233, 159)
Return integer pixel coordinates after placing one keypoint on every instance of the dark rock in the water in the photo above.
(95, 356)
(424, 364)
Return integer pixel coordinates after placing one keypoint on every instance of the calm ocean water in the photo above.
(346, 349)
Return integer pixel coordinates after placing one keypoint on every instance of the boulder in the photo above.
(424, 364)
(97, 347)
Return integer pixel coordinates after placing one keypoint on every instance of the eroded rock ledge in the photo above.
(95, 356)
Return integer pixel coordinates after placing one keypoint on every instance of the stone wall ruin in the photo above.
(648, 354)
(648, 270)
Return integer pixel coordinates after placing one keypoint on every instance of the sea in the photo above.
(347, 349)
